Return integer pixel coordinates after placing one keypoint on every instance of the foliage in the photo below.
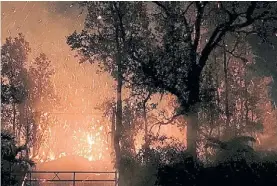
(175, 63)
(27, 92)
(235, 149)
(170, 54)
(42, 99)
(14, 53)
(11, 162)
(231, 173)
(107, 26)
(142, 168)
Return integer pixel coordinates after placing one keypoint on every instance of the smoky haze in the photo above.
(45, 26)
(80, 87)
(266, 61)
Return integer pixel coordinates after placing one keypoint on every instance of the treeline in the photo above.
(27, 95)
(195, 53)
(198, 53)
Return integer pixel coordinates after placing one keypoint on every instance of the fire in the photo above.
(90, 158)
(52, 156)
(89, 136)
(62, 154)
(91, 140)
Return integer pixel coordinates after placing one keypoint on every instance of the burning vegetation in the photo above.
(143, 88)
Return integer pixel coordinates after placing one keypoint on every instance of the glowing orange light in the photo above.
(52, 156)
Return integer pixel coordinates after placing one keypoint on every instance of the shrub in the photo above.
(10, 163)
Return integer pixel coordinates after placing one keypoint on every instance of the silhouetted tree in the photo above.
(175, 62)
(107, 27)
(172, 55)
(14, 55)
(41, 100)
(10, 161)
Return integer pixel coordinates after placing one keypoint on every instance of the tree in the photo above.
(14, 55)
(169, 54)
(175, 63)
(41, 100)
(27, 93)
(107, 27)
(10, 162)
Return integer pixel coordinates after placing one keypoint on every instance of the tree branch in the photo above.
(234, 55)
(222, 29)
(189, 5)
(169, 121)
(197, 25)
(159, 4)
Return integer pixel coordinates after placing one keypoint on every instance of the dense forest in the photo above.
(198, 66)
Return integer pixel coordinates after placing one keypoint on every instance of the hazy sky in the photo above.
(46, 25)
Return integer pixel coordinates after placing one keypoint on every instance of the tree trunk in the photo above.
(192, 108)
(27, 137)
(22, 118)
(118, 127)
(113, 120)
(35, 134)
(118, 124)
(146, 137)
(14, 119)
(192, 128)
(246, 105)
(217, 98)
(228, 132)
(146, 140)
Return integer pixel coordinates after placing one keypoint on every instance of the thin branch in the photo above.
(232, 52)
(188, 29)
(169, 121)
(159, 4)
(222, 29)
(235, 55)
(191, 3)
(147, 98)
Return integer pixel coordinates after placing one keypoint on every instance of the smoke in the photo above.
(266, 61)
(45, 26)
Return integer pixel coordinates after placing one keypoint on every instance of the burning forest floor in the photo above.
(75, 163)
